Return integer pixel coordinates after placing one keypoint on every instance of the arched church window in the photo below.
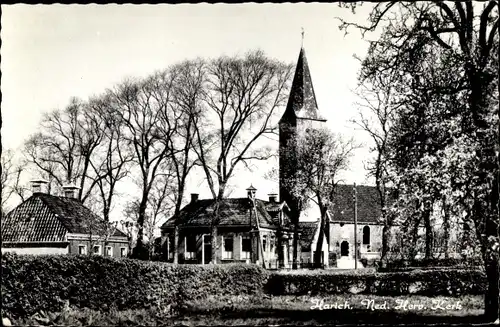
(366, 235)
(344, 249)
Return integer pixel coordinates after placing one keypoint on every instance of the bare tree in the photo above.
(376, 115)
(98, 231)
(159, 205)
(144, 107)
(91, 132)
(110, 163)
(242, 97)
(129, 224)
(7, 178)
(63, 148)
(322, 156)
(187, 97)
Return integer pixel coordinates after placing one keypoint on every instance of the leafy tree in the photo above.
(322, 156)
(464, 34)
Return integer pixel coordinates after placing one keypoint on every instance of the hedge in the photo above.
(31, 284)
(429, 283)
(34, 283)
(406, 265)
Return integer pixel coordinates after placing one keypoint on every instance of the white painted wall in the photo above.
(338, 234)
(37, 251)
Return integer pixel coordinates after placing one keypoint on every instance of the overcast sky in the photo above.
(53, 52)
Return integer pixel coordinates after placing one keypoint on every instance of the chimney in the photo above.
(194, 197)
(251, 192)
(273, 197)
(71, 191)
(39, 186)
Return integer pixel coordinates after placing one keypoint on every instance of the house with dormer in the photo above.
(51, 224)
(249, 230)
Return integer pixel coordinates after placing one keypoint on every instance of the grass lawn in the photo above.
(285, 310)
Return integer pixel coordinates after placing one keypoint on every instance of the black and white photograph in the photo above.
(274, 164)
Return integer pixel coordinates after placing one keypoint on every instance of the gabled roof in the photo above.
(47, 218)
(302, 100)
(276, 206)
(307, 230)
(233, 212)
(368, 204)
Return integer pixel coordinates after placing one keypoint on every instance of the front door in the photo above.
(207, 249)
(344, 249)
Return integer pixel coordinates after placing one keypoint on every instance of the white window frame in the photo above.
(84, 249)
(363, 235)
(188, 255)
(169, 250)
(110, 254)
(272, 244)
(98, 252)
(227, 255)
(245, 254)
(123, 252)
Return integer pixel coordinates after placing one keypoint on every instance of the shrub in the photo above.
(432, 282)
(369, 263)
(32, 284)
(407, 265)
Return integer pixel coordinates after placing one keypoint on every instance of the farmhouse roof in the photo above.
(233, 212)
(47, 218)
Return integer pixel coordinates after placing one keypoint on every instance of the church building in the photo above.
(261, 231)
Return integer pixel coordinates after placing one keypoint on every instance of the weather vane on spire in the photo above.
(302, 44)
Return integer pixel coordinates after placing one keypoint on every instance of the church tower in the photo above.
(301, 114)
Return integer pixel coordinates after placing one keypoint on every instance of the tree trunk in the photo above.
(295, 242)
(414, 239)
(295, 246)
(215, 221)
(84, 175)
(428, 233)
(319, 245)
(491, 256)
(213, 237)
(140, 252)
(105, 213)
(446, 229)
(491, 298)
(176, 244)
(385, 240)
(279, 244)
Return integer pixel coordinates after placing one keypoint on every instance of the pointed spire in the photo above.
(302, 100)
(302, 43)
